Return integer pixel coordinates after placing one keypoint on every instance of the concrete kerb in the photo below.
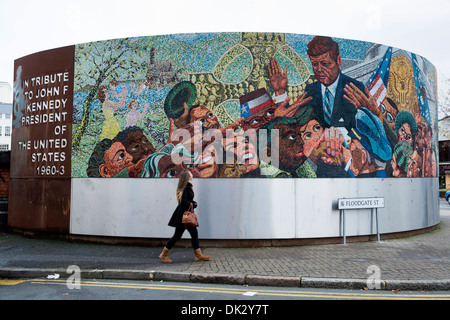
(28, 272)
(218, 278)
(418, 285)
(255, 280)
(335, 283)
(234, 279)
(170, 276)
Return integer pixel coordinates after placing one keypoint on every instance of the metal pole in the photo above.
(378, 232)
(343, 226)
(371, 220)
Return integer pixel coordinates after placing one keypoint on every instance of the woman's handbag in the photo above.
(189, 217)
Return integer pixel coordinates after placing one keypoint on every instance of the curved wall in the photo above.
(261, 209)
(102, 130)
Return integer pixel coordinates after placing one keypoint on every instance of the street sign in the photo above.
(360, 203)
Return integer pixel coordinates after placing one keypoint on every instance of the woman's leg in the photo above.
(195, 245)
(194, 237)
(176, 236)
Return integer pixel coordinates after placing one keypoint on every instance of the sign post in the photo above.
(359, 203)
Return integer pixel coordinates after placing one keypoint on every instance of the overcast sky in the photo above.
(29, 26)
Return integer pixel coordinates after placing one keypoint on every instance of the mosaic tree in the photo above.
(98, 63)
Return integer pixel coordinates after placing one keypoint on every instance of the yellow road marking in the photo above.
(10, 282)
(282, 293)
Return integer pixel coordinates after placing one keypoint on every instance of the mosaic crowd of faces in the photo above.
(259, 105)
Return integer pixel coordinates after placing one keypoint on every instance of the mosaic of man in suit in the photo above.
(330, 106)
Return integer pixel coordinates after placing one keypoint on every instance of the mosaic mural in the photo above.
(261, 105)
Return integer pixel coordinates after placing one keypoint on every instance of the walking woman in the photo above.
(185, 196)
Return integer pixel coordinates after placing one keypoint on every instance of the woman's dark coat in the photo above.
(186, 200)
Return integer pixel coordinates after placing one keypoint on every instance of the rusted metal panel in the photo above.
(42, 141)
(42, 115)
(40, 204)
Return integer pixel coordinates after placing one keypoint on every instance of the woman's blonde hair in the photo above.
(182, 183)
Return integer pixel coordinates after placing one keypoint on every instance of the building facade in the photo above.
(274, 127)
(5, 126)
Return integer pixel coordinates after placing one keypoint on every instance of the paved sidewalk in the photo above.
(420, 262)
